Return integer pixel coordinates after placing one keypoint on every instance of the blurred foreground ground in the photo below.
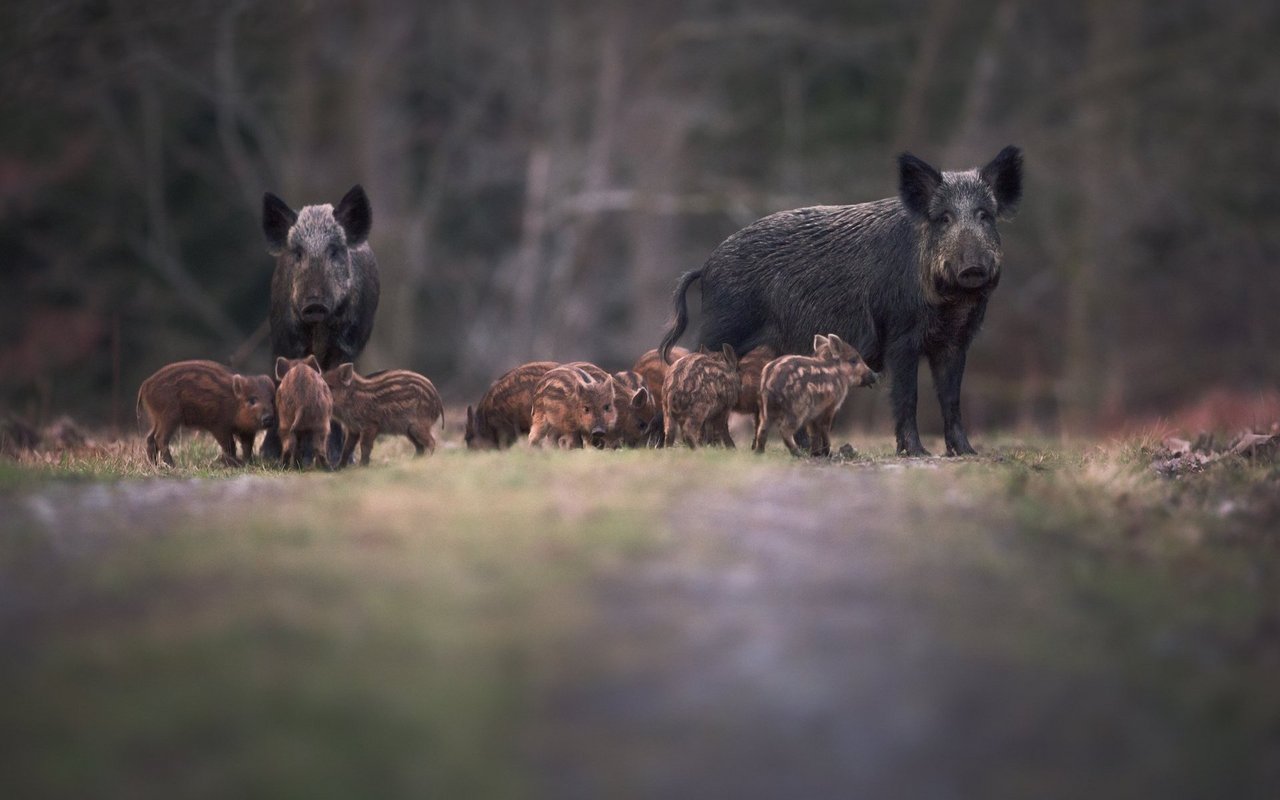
(1048, 622)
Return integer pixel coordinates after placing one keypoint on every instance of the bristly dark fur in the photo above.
(900, 279)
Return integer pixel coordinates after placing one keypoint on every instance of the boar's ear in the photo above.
(282, 367)
(345, 372)
(312, 362)
(1004, 176)
(917, 183)
(640, 398)
(277, 219)
(730, 357)
(355, 216)
(238, 386)
(819, 342)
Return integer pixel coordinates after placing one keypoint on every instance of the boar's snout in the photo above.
(597, 436)
(314, 310)
(870, 379)
(268, 421)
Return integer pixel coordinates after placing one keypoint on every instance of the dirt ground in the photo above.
(740, 628)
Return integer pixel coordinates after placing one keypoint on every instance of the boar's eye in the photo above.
(945, 218)
(983, 215)
(607, 407)
(335, 252)
(297, 253)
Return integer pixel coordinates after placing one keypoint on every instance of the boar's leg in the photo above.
(321, 457)
(948, 371)
(349, 447)
(904, 361)
(153, 449)
(162, 434)
(422, 439)
(228, 444)
(271, 448)
(720, 430)
(246, 444)
(333, 452)
(366, 444)
(788, 431)
(289, 448)
(762, 429)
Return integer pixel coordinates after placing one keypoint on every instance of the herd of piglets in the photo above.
(653, 404)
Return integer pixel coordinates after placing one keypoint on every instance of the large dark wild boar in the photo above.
(208, 396)
(505, 411)
(572, 406)
(324, 291)
(699, 392)
(805, 392)
(393, 401)
(304, 407)
(900, 279)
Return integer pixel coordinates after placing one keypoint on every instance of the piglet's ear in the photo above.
(238, 386)
(312, 362)
(277, 219)
(819, 342)
(1004, 176)
(730, 357)
(355, 215)
(640, 398)
(345, 372)
(282, 367)
(917, 183)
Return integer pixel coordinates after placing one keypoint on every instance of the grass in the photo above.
(391, 630)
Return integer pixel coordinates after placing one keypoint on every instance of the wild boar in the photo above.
(304, 407)
(505, 411)
(699, 392)
(210, 397)
(654, 369)
(393, 401)
(805, 392)
(325, 287)
(639, 421)
(571, 406)
(749, 367)
(900, 279)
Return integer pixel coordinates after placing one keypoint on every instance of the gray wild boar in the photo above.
(207, 396)
(805, 392)
(324, 290)
(901, 279)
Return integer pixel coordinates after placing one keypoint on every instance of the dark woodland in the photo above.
(542, 173)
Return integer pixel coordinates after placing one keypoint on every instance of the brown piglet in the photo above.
(210, 397)
(505, 411)
(639, 420)
(396, 401)
(572, 406)
(304, 407)
(699, 392)
(749, 368)
(807, 391)
(653, 369)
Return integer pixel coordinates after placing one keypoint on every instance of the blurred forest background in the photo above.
(542, 172)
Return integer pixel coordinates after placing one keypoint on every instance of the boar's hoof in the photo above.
(915, 451)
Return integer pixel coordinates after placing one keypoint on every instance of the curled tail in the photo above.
(137, 411)
(682, 315)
